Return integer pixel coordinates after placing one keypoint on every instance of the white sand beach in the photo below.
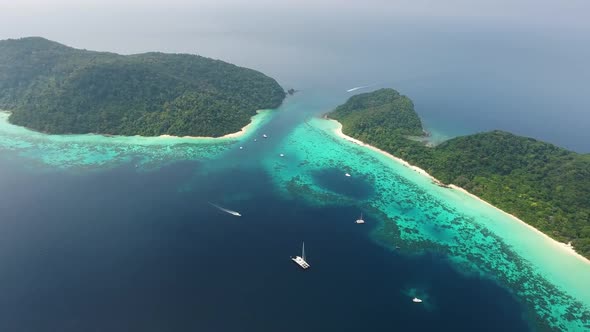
(556, 244)
(237, 134)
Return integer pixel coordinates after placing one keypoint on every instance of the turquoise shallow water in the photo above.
(419, 215)
(88, 151)
(409, 211)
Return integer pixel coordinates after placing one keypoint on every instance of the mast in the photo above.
(303, 251)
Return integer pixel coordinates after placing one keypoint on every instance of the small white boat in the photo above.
(416, 300)
(241, 147)
(256, 139)
(264, 135)
(346, 174)
(360, 220)
(300, 260)
(232, 212)
(282, 155)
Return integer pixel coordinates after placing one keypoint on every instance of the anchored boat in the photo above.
(300, 260)
(360, 220)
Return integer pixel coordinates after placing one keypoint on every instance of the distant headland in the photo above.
(56, 89)
(546, 186)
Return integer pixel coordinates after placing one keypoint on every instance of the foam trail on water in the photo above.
(360, 87)
(235, 213)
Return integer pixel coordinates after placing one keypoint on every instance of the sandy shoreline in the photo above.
(339, 133)
(237, 134)
(567, 248)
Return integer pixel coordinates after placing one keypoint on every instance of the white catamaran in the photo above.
(300, 260)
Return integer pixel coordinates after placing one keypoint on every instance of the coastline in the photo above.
(558, 245)
(567, 248)
(235, 135)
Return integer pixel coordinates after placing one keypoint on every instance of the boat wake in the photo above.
(359, 87)
(233, 213)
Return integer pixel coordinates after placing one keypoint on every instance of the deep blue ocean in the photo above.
(121, 250)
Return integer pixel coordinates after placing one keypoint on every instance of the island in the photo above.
(56, 89)
(546, 186)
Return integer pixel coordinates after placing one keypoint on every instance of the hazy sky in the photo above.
(134, 26)
(277, 31)
(528, 59)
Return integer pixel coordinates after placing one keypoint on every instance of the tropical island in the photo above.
(56, 89)
(546, 186)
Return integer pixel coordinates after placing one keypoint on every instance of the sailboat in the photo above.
(300, 260)
(360, 220)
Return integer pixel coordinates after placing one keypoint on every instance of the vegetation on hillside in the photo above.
(57, 89)
(384, 111)
(546, 186)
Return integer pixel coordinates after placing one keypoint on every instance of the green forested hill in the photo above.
(383, 111)
(546, 186)
(57, 89)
